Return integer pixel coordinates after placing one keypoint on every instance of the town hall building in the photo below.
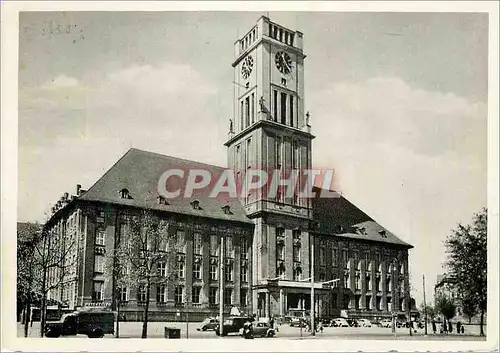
(275, 248)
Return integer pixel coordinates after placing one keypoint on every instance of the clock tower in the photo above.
(269, 131)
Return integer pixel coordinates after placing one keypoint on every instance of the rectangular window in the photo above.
(243, 250)
(180, 241)
(161, 294)
(291, 39)
(99, 264)
(197, 243)
(181, 268)
(242, 112)
(214, 271)
(292, 118)
(283, 108)
(244, 274)
(244, 297)
(278, 146)
(197, 270)
(124, 294)
(228, 296)
(296, 254)
(228, 272)
(212, 295)
(275, 105)
(179, 295)
(247, 112)
(229, 247)
(346, 281)
(253, 108)
(280, 252)
(367, 256)
(335, 257)
(214, 245)
(162, 269)
(98, 291)
(322, 250)
(141, 293)
(345, 257)
(100, 237)
(195, 295)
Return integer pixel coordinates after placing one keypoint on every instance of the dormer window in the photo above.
(196, 205)
(161, 200)
(382, 233)
(340, 229)
(362, 230)
(227, 209)
(125, 194)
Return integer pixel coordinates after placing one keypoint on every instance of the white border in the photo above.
(9, 56)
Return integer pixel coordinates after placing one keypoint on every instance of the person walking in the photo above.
(458, 326)
(433, 326)
(450, 326)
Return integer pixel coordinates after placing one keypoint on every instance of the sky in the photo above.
(398, 105)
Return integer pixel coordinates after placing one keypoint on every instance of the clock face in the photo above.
(246, 67)
(283, 62)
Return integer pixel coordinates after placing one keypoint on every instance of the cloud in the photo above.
(86, 124)
(414, 160)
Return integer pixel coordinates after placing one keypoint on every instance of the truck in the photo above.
(94, 324)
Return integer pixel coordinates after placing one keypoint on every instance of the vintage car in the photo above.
(210, 323)
(233, 324)
(263, 329)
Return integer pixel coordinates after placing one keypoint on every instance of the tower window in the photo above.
(283, 81)
(283, 108)
(241, 115)
(275, 105)
(124, 194)
(291, 39)
(291, 111)
(247, 112)
(252, 107)
(286, 37)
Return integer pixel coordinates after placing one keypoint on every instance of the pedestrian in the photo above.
(320, 325)
(450, 326)
(458, 326)
(271, 322)
(433, 326)
(463, 329)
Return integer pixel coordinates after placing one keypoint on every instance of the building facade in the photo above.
(278, 245)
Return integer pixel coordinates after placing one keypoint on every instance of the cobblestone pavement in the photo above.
(156, 330)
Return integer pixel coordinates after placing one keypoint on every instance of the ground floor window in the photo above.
(228, 296)
(98, 291)
(212, 295)
(244, 297)
(195, 295)
(124, 294)
(179, 295)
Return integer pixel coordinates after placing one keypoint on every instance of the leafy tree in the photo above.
(429, 310)
(446, 307)
(469, 307)
(467, 263)
(144, 258)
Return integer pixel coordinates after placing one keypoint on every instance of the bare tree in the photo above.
(144, 258)
(53, 262)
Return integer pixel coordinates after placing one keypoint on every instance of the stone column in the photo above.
(373, 280)
(205, 267)
(363, 285)
(237, 269)
(289, 254)
(395, 286)
(383, 283)
(304, 254)
(268, 304)
(271, 252)
(282, 302)
(352, 283)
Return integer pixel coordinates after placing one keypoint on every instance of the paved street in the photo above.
(156, 330)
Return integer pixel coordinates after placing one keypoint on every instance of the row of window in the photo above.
(283, 108)
(179, 294)
(248, 39)
(281, 253)
(358, 300)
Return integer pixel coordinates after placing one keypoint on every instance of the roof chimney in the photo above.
(66, 195)
(78, 187)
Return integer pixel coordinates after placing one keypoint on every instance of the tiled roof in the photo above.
(139, 171)
(339, 217)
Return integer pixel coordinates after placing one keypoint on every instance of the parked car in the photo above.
(352, 323)
(339, 322)
(386, 323)
(94, 324)
(263, 329)
(298, 322)
(232, 324)
(209, 323)
(364, 323)
(376, 323)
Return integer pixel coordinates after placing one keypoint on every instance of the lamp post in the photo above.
(221, 286)
(425, 305)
